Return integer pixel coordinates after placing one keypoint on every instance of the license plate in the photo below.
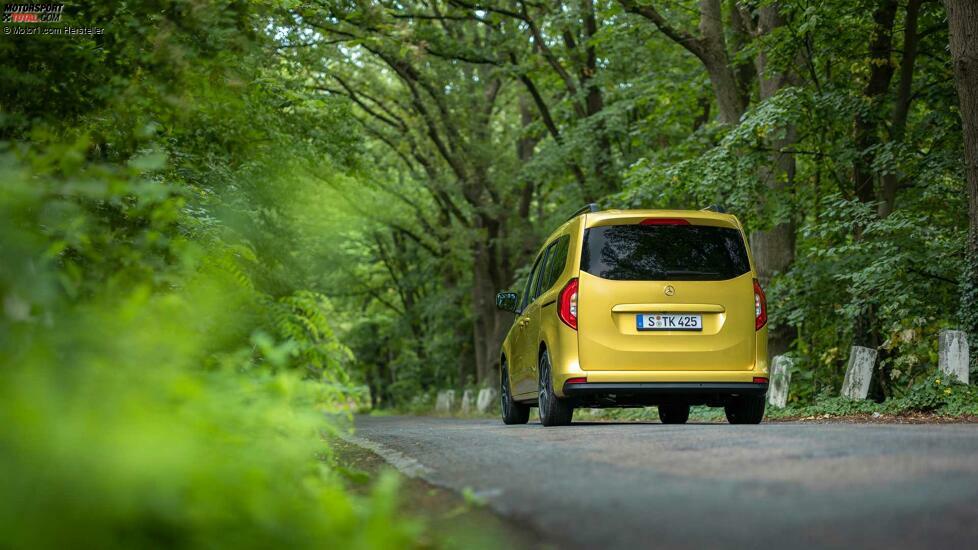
(669, 321)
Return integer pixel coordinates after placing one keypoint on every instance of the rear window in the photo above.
(664, 253)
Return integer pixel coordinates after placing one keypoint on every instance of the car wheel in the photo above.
(554, 411)
(748, 409)
(513, 412)
(673, 413)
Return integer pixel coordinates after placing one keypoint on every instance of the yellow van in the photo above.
(630, 308)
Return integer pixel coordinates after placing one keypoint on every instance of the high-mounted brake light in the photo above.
(567, 304)
(760, 306)
(664, 221)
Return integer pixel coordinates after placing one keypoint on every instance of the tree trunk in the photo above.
(605, 172)
(880, 74)
(963, 26)
(774, 252)
(490, 327)
(482, 322)
(740, 38)
(524, 153)
(731, 102)
(866, 330)
(488, 277)
(901, 109)
(774, 249)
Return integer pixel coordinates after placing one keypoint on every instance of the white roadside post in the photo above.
(858, 372)
(468, 401)
(445, 402)
(953, 354)
(487, 396)
(777, 392)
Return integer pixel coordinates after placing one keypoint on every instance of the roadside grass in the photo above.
(935, 399)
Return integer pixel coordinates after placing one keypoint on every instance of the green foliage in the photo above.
(168, 355)
(301, 320)
(128, 447)
(483, 127)
(933, 394)
(968, 313)
(112, 424)
(903, 266)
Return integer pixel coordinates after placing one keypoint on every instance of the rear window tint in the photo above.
(664, 253)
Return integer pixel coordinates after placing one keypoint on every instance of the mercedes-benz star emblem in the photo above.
(669, 290)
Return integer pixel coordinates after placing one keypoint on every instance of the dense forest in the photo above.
(830, 128)
(219, 220)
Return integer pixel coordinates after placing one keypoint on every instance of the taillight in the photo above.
(578, 380)
(567, 304)
(760, 380)
(664, 221)
(760, 306)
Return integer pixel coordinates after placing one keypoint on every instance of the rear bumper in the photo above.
(617, 394)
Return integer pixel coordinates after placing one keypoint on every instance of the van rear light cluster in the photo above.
(567, 304)
(760, 306)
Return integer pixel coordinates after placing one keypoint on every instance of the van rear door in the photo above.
(665, 294)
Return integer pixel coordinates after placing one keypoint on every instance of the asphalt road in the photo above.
(651, 485)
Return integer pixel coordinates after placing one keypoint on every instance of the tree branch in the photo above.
(681, 37)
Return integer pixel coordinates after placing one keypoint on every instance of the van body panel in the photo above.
(610, 340)
(537, 326)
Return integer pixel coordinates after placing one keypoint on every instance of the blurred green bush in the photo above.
(167, 356)
(151, 395)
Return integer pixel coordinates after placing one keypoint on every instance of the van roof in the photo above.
(619, 217)
(696, 217)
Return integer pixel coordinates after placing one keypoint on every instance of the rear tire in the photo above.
(748, 409)
(673, 413)
(554, 411)
(513, 412)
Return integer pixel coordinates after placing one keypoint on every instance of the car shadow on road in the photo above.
(631, 423)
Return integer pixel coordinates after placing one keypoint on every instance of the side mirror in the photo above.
(507, 301)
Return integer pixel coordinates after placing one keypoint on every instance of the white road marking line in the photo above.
(411, 467)
(404, 464)
(488, 494)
